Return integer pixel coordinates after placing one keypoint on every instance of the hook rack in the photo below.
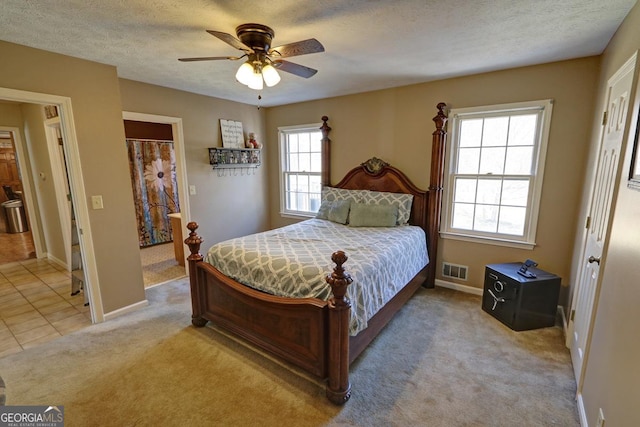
(245, 159)
(244, 171)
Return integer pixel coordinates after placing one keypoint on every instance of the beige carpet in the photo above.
(159, 264)
(442, 361)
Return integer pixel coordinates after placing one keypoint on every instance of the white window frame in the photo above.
(283, 131)
(541, 107)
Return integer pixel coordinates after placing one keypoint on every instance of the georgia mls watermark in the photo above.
(32, 416)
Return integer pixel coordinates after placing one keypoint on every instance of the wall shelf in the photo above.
(229, 158)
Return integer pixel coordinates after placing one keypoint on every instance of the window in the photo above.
(300, 169)
(494, 178)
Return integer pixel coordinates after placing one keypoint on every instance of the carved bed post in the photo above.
(194, 241)
(326, 152)
(435, 190)
(338, 386)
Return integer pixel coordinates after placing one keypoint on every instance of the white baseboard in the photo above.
(581, 411)
(565, 324)
(459, 287)
(57, 261)
(163, 283)
(128, 309)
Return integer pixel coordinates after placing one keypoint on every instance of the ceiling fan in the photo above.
(263, 60)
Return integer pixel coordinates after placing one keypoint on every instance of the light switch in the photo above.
(96, 202)
(192, 190)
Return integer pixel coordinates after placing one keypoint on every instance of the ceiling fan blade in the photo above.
(210, 58)
(297, 69)
(229, 39)
(298, 48)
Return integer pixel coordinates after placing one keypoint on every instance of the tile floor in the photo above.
(36, 305)
(15, 246)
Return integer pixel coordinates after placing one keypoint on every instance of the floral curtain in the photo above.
(155, 191)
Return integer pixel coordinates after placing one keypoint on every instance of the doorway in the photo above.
(34, 199)
(16, 240)
(161, 259)
(604, 192)
(37, 302)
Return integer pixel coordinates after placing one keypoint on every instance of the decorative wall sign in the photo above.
(232, 135)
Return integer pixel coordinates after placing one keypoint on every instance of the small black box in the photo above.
(519, 302)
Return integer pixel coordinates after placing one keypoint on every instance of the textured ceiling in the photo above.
(370, 44)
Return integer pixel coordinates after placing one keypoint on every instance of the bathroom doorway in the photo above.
(155, 143)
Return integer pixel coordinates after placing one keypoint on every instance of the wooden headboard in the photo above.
(377, 175)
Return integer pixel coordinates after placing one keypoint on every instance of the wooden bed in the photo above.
(311, 333)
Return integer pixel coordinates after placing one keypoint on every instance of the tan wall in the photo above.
(94, 92)
(40, 162)
(10, 114)
(611, 378)
(225, 206)
(396, 125)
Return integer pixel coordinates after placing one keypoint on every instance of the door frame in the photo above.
(181, 165)
(633, 61)
(60, 184)
(76, 182)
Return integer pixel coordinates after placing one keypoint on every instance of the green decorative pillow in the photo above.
(367, 215)
(334, 210)
(402, 201)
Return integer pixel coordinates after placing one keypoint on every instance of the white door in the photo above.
(60, 182)
(604, 191)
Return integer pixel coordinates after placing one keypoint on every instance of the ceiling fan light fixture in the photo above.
(270, 75)
(255, 81)
(245, 73)
(254, 40)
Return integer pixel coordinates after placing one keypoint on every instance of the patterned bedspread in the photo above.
(293, 261)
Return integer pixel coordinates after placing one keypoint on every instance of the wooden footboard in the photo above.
(310, 333)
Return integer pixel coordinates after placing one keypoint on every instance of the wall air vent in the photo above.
(455, 271)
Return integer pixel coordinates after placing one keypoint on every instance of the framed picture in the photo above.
(232, 135)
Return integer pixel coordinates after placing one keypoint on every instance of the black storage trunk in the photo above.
(520, 303)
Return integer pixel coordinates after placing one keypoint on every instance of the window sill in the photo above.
(297, 215)
(489, 241)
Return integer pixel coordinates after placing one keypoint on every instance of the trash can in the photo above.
(15, 216)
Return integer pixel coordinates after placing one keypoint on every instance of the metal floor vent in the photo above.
(454, 270)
